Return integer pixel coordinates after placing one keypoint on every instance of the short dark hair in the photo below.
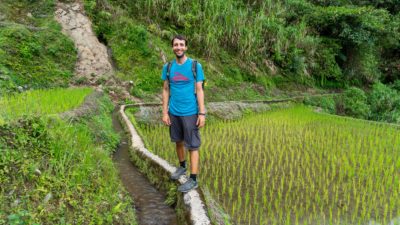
(179, 37)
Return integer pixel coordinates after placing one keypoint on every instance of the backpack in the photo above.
(194, 71)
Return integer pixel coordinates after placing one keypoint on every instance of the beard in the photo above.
(180, 56)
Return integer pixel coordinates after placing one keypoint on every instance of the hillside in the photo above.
(249, 49)
(261, 42)
(255, 48)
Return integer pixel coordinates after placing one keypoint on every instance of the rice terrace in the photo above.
(295, 166)
(288, 112)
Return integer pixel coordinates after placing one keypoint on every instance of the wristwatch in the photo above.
(201, 114)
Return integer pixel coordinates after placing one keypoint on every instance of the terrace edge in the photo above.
(194, 206)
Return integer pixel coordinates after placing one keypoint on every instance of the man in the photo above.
(183, 109)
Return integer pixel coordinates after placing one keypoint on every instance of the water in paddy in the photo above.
(149, 202)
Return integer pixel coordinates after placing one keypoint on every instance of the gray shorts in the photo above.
(183, 128)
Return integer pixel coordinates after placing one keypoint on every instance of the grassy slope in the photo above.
(248, 48)
(33, 51)
(137, 47)
(55, 172)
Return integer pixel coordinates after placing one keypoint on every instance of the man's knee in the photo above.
(180, 143)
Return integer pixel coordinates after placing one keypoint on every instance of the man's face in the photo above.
(179, 48)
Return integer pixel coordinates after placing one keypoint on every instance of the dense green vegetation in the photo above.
(249, 49)
(57, 172)
(295, 166)
(315, 44)
(137, 50)
(33, 51)
(393, 6)
(381, 103)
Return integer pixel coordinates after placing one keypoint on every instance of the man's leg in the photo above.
(192, 142)
(181, 170)
(180, 151)
(191, 183)
(194, 162)
(176, 134)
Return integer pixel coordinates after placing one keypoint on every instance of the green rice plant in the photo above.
(41, 102)
(295, 166)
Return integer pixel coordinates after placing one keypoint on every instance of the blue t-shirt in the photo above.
(182, 101)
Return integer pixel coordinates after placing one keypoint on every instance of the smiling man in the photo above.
(183, 109)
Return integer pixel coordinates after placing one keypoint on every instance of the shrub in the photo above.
(360, 31)
(396, 85)
(355, 103)
(385, 103)
(392, 6)
(327, 103)
(326, 69)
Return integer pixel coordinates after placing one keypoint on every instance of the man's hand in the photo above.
(166, 120)
(201, 121)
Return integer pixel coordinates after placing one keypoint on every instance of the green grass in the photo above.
(54, 172)
(41, 102)
(294, 166)
(33, 51)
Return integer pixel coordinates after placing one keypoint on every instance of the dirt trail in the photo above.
(92, 55)
(93, 66)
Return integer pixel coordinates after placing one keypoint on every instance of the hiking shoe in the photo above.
(178, 172)
(188, 185)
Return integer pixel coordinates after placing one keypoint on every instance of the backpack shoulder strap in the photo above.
(169, 70)
(194, 69)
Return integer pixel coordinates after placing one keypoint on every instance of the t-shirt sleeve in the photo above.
(164, 72)
(200, 73)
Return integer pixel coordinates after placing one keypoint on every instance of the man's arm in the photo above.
(165, 101)
(200, 101)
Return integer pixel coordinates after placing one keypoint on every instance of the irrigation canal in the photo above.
(149, 202)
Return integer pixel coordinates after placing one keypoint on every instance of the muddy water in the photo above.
(149, 202)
